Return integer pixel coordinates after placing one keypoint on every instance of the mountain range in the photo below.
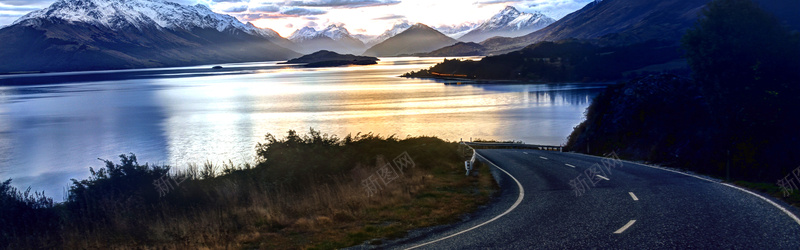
(623, 22)
(109, 34)
(335, 38)
(510, 22)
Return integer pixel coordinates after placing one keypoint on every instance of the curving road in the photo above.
(631, 206)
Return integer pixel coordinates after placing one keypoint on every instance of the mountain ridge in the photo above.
(72, 35)
(509, 22)
(419, 38)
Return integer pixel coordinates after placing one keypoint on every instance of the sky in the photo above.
(369, 17)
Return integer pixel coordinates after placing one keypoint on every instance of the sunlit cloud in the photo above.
(341, 3)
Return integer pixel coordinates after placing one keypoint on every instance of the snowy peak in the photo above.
(508, 22)
(334, 31)
(511, 18)
(396, 29)
(509, 11)
(306, 33)
(140, 14)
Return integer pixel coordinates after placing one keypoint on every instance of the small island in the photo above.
(325, 58)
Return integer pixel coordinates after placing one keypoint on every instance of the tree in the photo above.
(748, 65)
(737, 46)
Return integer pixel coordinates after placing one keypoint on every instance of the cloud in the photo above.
(27, 2)
(390, 17)
(311, 18)
(554, 8)
(350, 4)
(265, 8)
(302, 12)
(235, 9)
(491, 2)
(289, 25)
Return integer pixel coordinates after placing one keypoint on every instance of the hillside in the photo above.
(74, 35)
(419, 38)
(622, 22)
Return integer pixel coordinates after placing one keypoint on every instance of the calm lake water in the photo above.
(57, 129)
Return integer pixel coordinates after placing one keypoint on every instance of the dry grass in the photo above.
(233, 210)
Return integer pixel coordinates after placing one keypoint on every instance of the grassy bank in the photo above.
(305, 191)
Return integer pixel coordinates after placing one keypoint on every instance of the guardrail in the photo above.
(483, 145)
(469, 165)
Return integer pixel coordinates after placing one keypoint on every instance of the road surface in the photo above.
(628, 206)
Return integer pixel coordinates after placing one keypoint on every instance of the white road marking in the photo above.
(626, 226)
(519, 200)
(603, 177)
(790, 214)
(543, 157)
(525, 152)
(633, 196)
(570, 165)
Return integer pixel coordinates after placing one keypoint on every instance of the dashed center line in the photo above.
(543, 157)
(633, 196)
(525, 152)
(626, 226)
(603, 177)
(569, 165)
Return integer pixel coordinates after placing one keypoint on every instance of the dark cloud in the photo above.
(390, 17)
(341, 3)
(235, 9)
(311, 18)
(302, 12)
(265, 8)
(27, 2)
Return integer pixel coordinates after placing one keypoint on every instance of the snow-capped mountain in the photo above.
(457, 30)
(334, 38)
(122, 14)
(510, 22)
(396, 29)
(112, 34)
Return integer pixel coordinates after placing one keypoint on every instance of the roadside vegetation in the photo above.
(305, 191)
(736, 118)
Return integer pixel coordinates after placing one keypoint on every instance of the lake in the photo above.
(53, 127)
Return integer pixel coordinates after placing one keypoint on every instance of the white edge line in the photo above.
(625, 227)
(519, 200)
(570, 165)
(633, 196)
(603, 177)
(790, 214)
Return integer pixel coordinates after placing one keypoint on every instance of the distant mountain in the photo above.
(457, 30)
(334, 38)
(510, 22)
(615, 22)
(624, 22)
(419, 38)
(108, 34)
(396, 29)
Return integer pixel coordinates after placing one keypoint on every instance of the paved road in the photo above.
(631, 206)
